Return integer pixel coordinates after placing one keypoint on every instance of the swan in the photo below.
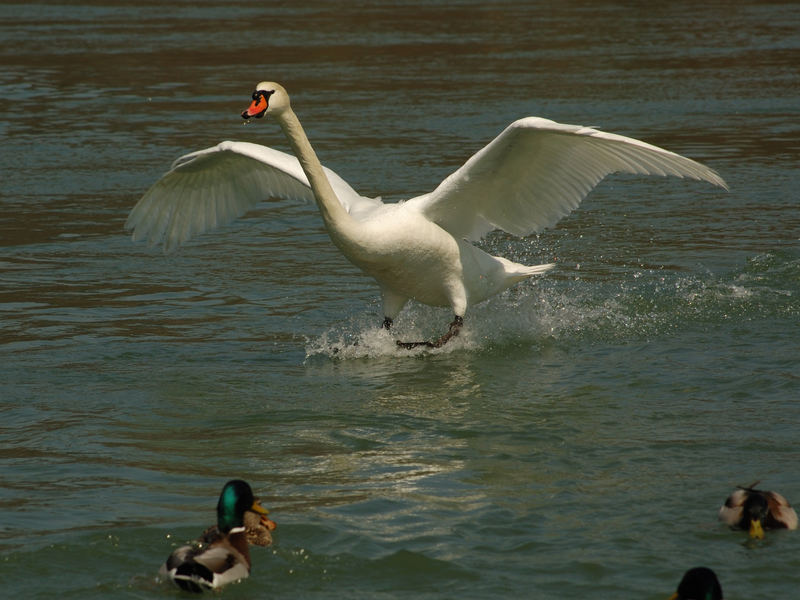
(526, 179)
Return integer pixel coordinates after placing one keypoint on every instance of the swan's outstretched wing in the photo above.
(210, 188)
(536, 172)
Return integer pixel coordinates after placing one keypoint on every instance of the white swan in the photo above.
(533, 174)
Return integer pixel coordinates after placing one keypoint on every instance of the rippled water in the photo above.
(574, 442)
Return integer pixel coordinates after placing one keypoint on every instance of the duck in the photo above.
(221, 555)
(535, 172)
(756, 510)
(699, 583)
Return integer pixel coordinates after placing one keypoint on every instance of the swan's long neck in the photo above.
(336, 218)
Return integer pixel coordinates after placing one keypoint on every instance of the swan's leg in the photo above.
(392, 305)
(452, 331)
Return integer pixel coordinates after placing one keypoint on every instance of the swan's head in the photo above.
(269, 98)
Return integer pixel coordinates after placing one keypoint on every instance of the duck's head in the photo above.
(754, 511)
(269, 98)
(235, 499)
(700, 583)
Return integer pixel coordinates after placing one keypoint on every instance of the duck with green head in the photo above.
(699, 583)
(222, 554)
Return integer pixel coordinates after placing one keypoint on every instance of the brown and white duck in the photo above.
(756, 510)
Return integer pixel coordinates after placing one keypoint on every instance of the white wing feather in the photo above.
(212, 187)
(536, 172)
(529, 177)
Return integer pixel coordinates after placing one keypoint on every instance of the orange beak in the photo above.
(257, 108)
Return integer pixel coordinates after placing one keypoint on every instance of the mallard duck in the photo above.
(222, 554)
(700, 583)
(756, 510)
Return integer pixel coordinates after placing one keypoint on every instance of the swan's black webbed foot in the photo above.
(453, 330)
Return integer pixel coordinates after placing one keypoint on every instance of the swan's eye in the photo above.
(265, 94)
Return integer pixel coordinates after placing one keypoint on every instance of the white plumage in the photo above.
(533, 174)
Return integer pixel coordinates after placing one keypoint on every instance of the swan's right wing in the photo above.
(212, 187)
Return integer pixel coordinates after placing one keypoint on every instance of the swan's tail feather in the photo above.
(538, 269)
(516, 272)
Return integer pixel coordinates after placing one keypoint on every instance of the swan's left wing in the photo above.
(537, 171)
(210, 188)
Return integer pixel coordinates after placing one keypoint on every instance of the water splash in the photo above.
(581, 306)
(362, 339)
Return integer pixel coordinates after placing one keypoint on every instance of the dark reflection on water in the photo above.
(553, 448)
